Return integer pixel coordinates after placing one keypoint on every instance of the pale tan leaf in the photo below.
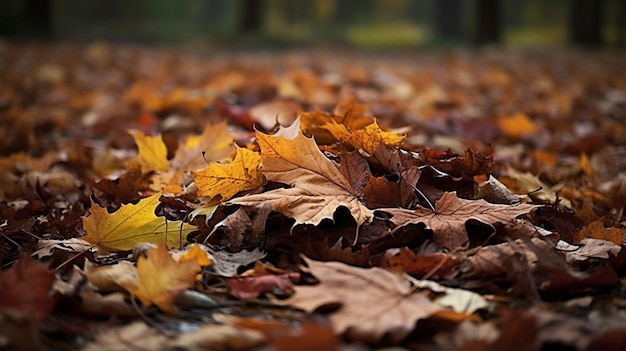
(373, 301)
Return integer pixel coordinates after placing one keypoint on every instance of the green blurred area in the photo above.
(360, 23)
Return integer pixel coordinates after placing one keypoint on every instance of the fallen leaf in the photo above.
(251, 287)
(221, 182)
(593, 248)
(517, 125)
(25, 287)
(314, 333)
(215, 141)
(525, 183)
(366, 139)
(451, 214)
(390, 306)
(152, 152)
(217, 337)
(136, 335)
(194, 253)
(133, 224)
(459, 300)
(46, 247)
(597, 230)
(113, 277)
(435, 264)
(226, 264)
(160, 279)
(319, 185)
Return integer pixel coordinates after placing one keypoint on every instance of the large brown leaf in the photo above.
(373, 301)
(318, 185)
(451, 214)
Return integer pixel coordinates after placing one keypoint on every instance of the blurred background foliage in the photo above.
(360, 23)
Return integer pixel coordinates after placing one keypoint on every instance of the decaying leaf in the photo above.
(390, 306)
(25, 287)
(133, 224)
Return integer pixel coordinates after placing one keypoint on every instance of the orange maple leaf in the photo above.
(319, 185)
(161, 279)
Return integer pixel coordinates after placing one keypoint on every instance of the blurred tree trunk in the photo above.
(251, 16)
(37, 17)
(26, 19)
(342, 14)
(586, 22)
(488, 28)
(448, 14)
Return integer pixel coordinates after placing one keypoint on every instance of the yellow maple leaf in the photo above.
(222, 181)
(152, 154)
(160, 279)
(132, 224)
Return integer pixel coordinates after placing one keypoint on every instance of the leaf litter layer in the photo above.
(424, 201)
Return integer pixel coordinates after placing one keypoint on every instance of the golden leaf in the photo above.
(215, 141)
(517, 125)
(132, 224)
(160, 279)
(222, 181)
(152, 154)
(367, 139)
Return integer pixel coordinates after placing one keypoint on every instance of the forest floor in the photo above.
(155, 199)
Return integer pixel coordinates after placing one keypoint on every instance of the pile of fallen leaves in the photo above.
(162, 199)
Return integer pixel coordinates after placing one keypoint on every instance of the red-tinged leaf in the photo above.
(436, 264)
(562, 282)
(25, 287)
(611, 340)
(251, 287)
